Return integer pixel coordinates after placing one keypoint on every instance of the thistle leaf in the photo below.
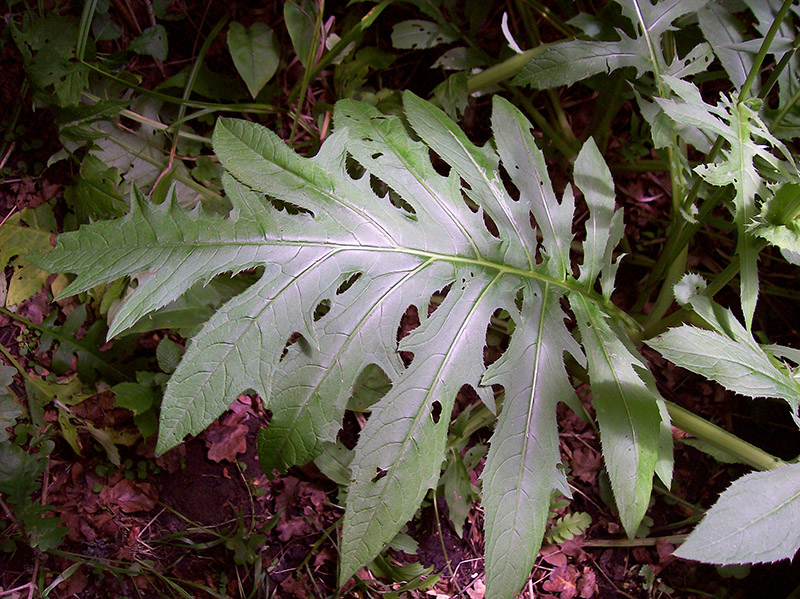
(572, 61)
(344, 244)
(757, 519)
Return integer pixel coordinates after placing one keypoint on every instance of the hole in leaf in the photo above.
(439, 165)
(322, 309)
(436, 411)
(468, 201)
(295, 338)
(498, 334)
(348, 283)
(379, 474)
(491, 226)
(398, 202)
(370, 386)
(354, 170)
(376, 155)
(510, 188)
(379, 187)
(287, 207)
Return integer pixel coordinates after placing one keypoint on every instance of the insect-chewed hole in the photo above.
(376, 155)
(439, 165)
(436, 411)
(322, 309)
(498, 333)
(490, 226)
(288, 207)
(379, 474)
(370, 386)
(354, 170)
(299, 340)
(399, 203)
(508, 184)
(379, 187)
(437, 298)
(348, 283)
(471, 204)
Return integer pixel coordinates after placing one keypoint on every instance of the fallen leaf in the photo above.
(129, 496)
(586, 463)
(227, 437)
(294, 588)
(553, 555)
(587, 585)
(563, 580)
(477, 590)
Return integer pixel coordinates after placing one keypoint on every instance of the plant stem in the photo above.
(764, 50)
(721, 439)
(505, 70)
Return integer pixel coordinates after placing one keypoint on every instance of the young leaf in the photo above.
(302, 18)
(255, 54)
(571, 61)
(365, 246)
(417, 34)
(740, 126)
(757, 519)
(153, 41)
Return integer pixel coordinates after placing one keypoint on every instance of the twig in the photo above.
(10, 149)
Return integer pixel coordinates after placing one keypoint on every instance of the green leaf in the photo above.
(345, 243)
(755, 520)
(16, 241)
(739, 365)
(133, 396)
(10, 409)
(572, 61)
(301, 17)
(722, 29)
(626, 403)
(19, 471)
(568, 527)
(96, 195)
(417, 34)
(255, 52)
(168, 354)
(152, 42)
(452, 94)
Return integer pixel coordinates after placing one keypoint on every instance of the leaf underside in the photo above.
(757, 519)
(366, 229)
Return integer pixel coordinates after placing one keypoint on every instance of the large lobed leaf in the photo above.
(365, 240)
(572, 61)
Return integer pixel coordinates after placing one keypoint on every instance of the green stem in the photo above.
(789, 105)
(779, 68)
(307, 73)
(764, 49)
(722, 439)
(241, 107)
(503, 71)
(569, 150)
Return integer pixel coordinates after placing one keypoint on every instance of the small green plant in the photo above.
(23, 460)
